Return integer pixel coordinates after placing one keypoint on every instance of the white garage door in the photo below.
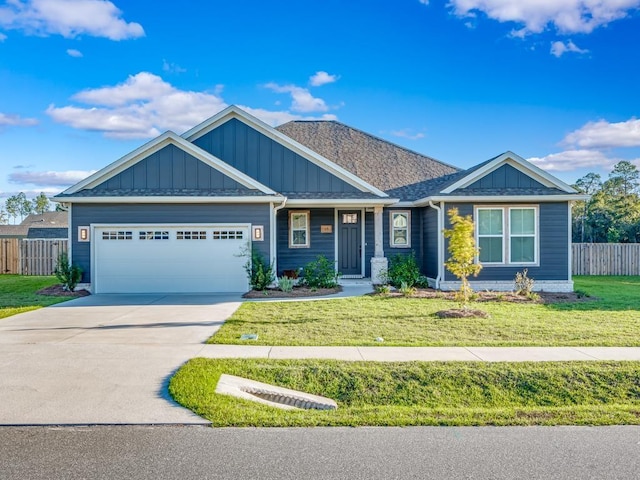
(170, 259)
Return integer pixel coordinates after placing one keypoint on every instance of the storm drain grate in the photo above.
(272, 395)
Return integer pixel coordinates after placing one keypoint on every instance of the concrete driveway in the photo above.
(104, 359)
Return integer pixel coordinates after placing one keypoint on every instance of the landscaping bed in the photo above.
(59, 291)
(419, 393)
(297, 292)
(610, 318)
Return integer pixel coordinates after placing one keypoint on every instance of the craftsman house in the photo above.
(179, 213)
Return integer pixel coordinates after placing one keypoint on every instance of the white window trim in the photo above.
(503, 236)
(307, 228)
(506, 234)
(391, 214)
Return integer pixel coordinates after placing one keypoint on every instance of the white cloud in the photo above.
(602, 134)
(301, 98)
(407, 133)
(3, 37)
(567, 16)
(559, 48)
(49, 179)
(72, 52)
(172, 67)
(16, 121)
(145, 105)
(574, 159)
(424, 2)
(322, 78)
(69, 18)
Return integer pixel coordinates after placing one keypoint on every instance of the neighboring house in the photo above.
(47, 225)
(178, 213)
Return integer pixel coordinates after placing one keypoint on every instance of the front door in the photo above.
(350, 242)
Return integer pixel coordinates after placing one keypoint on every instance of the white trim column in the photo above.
(379, 263)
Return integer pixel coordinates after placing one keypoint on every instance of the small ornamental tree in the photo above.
(463, 252)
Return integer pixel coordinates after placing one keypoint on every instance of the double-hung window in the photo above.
(507, 235)
(400, 229)
(299, 229)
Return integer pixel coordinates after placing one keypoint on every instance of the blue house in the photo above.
(180, 213)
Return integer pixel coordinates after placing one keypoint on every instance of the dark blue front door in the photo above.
(349, 242)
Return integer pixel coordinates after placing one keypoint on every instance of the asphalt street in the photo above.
(172, 452)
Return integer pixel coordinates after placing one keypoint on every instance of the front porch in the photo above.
(350, 235)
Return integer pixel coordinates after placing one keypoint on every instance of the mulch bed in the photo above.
(295, 293)
(488, 296)
(58, 291)
(462, 313)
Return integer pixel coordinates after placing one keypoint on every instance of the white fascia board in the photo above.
(340, 202)
(168, 138)
(502, 198)
(322, 162)
(517, 162)
(174, 199)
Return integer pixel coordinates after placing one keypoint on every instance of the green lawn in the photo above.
(613, 319)
(420, 393)
(17, 294)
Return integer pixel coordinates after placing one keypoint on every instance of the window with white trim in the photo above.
(400, 229)
(507, 235)
(299, 229)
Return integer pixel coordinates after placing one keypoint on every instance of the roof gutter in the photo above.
(273, 228)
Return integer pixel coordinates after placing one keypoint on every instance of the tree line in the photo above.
(19, 206)
(612, 215)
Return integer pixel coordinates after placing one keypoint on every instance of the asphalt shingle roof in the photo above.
(382, 164)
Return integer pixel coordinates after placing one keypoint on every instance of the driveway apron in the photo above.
(104, 359)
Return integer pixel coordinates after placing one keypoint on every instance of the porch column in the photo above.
(379, 263)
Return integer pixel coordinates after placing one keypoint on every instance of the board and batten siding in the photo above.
(170, 168)
(178, 214)
(553, 238)
(505, 176)
(269, 162)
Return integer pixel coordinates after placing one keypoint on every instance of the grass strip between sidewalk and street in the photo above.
(610, 318)
(419, 393)
(18, 293)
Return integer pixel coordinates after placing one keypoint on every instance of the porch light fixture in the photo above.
(83, 234)
(257, 233)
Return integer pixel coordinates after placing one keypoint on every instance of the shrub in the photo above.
(320, 273)
(407, 290)
(68, 274)
(524, 284)
(383, 289)
(403, 269)
(260, 272)
(286, 284)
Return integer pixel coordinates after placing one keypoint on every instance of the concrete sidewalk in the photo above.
(405, 354)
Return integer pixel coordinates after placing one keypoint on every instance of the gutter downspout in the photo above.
(440, 243)
(274, 236)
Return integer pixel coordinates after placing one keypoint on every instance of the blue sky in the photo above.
(84, 82)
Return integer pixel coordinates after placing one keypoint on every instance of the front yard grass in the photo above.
(18, 293)
(420, 393)
(612, 319)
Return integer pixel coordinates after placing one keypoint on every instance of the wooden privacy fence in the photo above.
(30, 256)
(606, 259)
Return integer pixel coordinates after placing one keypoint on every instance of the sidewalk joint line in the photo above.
(474, 354)
(577, 349)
